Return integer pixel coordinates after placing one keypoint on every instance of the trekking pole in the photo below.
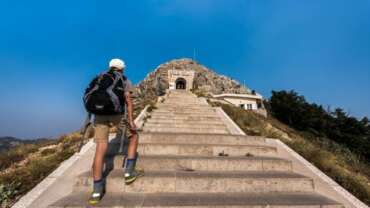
(122, 140)
(122, 133)
(83, 130)
(123, 145)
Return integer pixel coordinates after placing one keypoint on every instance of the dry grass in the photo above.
(16, 154)
(200, 93)
(333, 159)
(251, 123)
(151, 107)
(35, 166)
(26, 166)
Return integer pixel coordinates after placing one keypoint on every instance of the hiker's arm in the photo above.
(130, 110)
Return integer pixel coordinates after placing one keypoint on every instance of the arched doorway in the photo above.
(180, 84)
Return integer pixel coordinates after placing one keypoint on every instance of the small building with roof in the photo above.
(253, 101)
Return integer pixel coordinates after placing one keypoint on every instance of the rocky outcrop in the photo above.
(206, 81)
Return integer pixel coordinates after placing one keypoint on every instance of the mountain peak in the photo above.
(205, 80)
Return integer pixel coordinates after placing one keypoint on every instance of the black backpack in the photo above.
(105, 94)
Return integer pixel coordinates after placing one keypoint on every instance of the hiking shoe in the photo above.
(95, 198)
(131, 177)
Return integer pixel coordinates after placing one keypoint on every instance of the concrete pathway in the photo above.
(193, 156)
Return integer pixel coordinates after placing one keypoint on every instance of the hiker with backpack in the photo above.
(106, 97)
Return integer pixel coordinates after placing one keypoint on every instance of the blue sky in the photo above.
(49, 50)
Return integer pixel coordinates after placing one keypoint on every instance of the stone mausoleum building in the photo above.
(180, 79)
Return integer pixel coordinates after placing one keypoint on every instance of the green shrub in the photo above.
(151, 107)
(329, 163)
(48, 151)
(16, 154)
(200, 93)
(250, 122)
(7, 192)
(293, 109)
(36, 169)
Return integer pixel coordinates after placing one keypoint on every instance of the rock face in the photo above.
(206, 81)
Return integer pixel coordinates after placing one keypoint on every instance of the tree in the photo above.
(292, 109)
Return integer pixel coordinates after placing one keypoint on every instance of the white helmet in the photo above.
(117, 63)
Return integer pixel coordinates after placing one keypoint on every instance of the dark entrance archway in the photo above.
(180, 84)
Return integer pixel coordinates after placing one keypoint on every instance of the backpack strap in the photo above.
(101, 76)
(92, 87)
(123, 78)
(114, 97)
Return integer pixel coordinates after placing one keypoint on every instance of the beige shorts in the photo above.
(104, 123)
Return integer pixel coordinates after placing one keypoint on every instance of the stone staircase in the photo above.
(192, 160)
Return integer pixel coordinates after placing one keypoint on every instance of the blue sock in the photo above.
(130, 165)
(130, 162)
(98, 186)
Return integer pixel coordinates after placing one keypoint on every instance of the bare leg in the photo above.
(98, 164)
(131, 173)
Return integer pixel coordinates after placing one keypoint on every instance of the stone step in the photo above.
(177, 92)
(179, 101)
(173, 121)
(191, 138)
(185, 125)
(187, 130)
(180, 91)
(211, 111)
(171, 114)
(208, 163)
(201, 200)
(182, 97)
(182, 100)
(203, 182)
(205, 149)
(186, 108)
(184, 111)
(185, 117)
(186, 103)
(183, 106)
(174, 92)
(180, 105)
